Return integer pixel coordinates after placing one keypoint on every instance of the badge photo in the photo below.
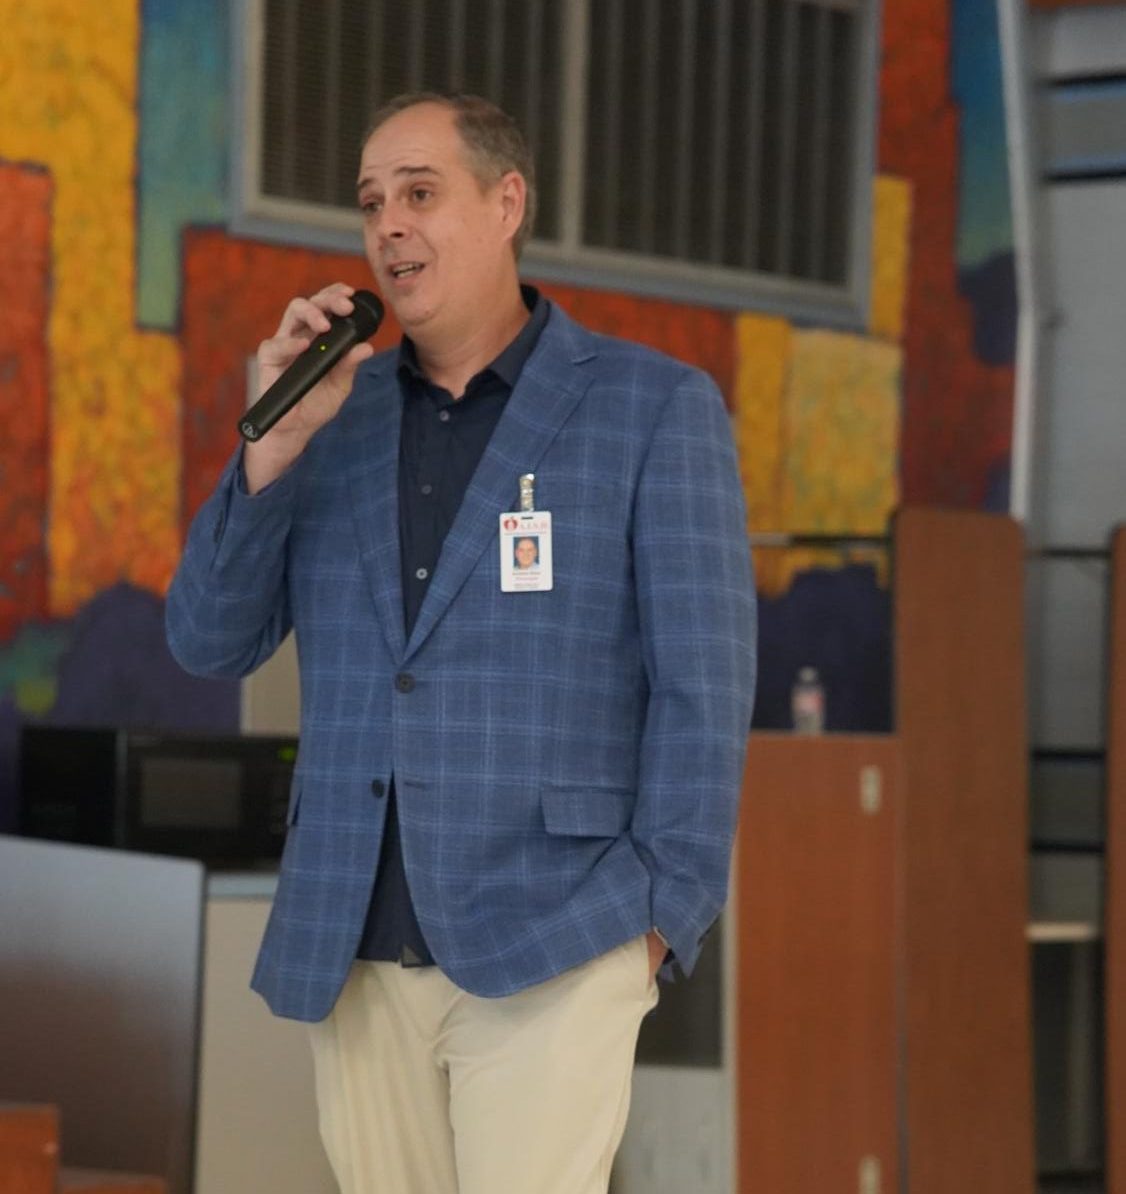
(525, 552)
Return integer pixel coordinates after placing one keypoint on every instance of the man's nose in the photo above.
(392, 223)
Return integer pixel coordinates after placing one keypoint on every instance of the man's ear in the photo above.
(513, 196)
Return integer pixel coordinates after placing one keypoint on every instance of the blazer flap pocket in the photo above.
(587, 812)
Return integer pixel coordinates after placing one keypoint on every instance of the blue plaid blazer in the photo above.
(568, 763)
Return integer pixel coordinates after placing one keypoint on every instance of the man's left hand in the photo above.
(657, 951)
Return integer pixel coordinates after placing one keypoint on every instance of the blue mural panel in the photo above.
(183, 142)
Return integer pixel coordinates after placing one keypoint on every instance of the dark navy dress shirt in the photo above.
(440, 445)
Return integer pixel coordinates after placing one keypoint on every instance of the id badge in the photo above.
(525, 551)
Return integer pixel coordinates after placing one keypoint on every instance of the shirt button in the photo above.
(427, 490)
(377, 788)
(421, 574)
(444, 416)
(404, 682)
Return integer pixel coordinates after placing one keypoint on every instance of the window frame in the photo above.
(567, 261)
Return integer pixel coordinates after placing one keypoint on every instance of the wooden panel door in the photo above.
(815, 899)
(961, 726)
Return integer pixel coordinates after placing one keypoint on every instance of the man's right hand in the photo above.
(305, 318)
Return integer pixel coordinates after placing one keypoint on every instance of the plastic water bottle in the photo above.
(807, 702)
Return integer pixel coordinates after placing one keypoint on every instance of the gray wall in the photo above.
(1079, 477)
(1079, 496)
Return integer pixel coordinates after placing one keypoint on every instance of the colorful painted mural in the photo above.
(130, 308)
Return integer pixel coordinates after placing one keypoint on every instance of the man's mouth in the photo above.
(406, 269)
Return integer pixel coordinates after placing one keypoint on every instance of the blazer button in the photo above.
(377, 788)
(404, 682)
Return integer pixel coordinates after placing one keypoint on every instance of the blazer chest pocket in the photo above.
(587, 812)
(576, 493)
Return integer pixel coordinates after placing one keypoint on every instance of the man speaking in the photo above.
(516, 793)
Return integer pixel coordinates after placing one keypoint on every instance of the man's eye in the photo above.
(370, 207)
(421, 194)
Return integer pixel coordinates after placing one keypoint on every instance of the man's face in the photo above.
(439, 242)
(526, 553)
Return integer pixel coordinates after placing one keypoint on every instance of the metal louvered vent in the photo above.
(720, 142)
(721, 132)
(329, 64)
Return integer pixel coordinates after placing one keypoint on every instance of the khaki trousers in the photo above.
(425, 1089)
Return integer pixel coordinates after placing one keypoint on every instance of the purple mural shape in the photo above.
(118, 671)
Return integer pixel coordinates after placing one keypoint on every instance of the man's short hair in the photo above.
(493, 141)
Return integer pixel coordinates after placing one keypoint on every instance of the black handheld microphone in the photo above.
(313, 364)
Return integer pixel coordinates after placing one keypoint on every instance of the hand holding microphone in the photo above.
(340, 332)
(306, 369)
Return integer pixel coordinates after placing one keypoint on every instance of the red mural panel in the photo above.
(957, 411)
(235, 291)
(701, 336)
(25, 231)
(234, 295)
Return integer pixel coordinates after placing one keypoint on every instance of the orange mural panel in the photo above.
(25, 231)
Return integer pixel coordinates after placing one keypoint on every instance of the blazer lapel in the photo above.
(547, 392)
(371, 460)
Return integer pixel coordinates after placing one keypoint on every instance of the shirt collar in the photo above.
(509, 364)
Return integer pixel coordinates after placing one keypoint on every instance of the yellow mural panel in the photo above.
(762, 353)
(762, 356)
(816, 423)
(842, 434)
(68, 102)
(891, 247)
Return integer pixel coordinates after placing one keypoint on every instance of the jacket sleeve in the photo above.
(227, 607)
(696, 603)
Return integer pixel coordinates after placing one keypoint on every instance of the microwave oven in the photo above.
(219, 798)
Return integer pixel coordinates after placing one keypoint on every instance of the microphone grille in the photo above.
(368, 313)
